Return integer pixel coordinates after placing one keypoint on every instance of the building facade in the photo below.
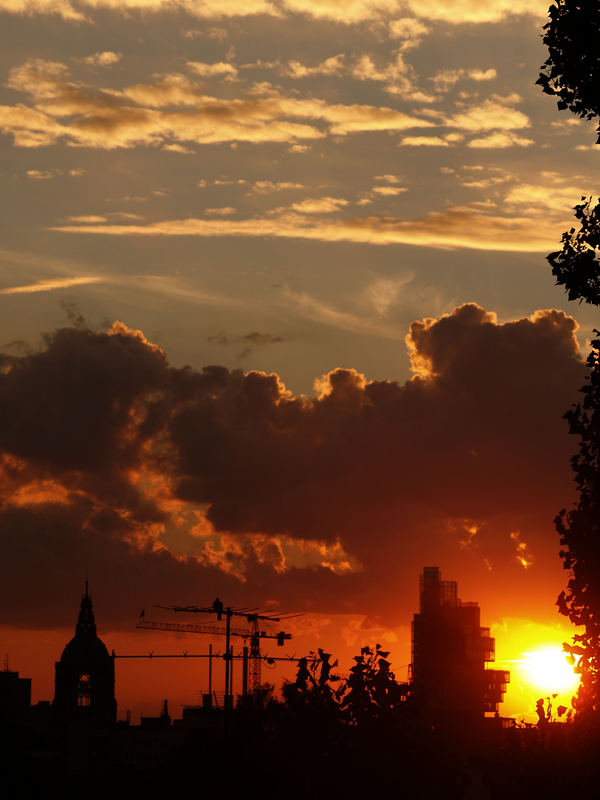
(450, 653)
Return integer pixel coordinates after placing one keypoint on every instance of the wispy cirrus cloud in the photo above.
(50, 284)
(467, 226)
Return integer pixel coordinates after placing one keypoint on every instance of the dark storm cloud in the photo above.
(78, 410)
(466, 463)
(486, 406)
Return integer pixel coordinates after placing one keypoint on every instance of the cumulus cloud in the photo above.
(166, 479)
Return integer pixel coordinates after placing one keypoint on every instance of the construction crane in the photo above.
(251, 615)
(252, 664)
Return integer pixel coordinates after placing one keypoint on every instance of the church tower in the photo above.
(84, 685)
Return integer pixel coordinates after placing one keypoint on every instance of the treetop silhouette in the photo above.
(572, 70)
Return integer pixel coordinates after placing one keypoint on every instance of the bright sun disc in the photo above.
(549, 671)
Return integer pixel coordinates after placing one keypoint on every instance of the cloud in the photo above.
(457, 12)
(40, 174)
(249, 340)
(171, 112)
(254, 337)
(210, 70)
(330, 66)
(555, 198)
(467, 226)
(423, 141)
(409, 29)
(266, 187)
(500, 141)
(489, 115)
(383, 294)
(90, 219)
(105, 58)
(388, 191)
(446, 78)
(51, 284)
(225, 211)
(346, 11)
(319, 205)
(82, 10)
(173, 478)
(312, 308)
(449, 11)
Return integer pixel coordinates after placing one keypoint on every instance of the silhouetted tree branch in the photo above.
(572, 70)
(577, 265)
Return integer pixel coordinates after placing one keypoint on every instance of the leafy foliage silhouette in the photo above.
(371, 688)
(577, 265)
(313, 688)
(572, 74)
(572, 70)
(579, 531)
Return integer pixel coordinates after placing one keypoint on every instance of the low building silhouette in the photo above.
(450, 653)
(15, 696)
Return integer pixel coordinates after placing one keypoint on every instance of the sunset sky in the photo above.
(345, 205)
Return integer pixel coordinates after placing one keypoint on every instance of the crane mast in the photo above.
(253, 659)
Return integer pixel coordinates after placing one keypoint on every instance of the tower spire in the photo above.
(86, 623)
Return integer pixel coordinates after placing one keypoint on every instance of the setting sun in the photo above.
(548, 670)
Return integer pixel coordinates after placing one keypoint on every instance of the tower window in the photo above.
(84, 691)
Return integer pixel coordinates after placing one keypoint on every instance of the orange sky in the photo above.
(276, 319)
(142, 684)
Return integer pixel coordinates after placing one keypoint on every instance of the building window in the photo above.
(84, 691)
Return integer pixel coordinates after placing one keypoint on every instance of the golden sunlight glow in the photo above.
(549, 671)
(533, 654)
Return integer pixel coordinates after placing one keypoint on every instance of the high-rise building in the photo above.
(450, 651)
(84, 689)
